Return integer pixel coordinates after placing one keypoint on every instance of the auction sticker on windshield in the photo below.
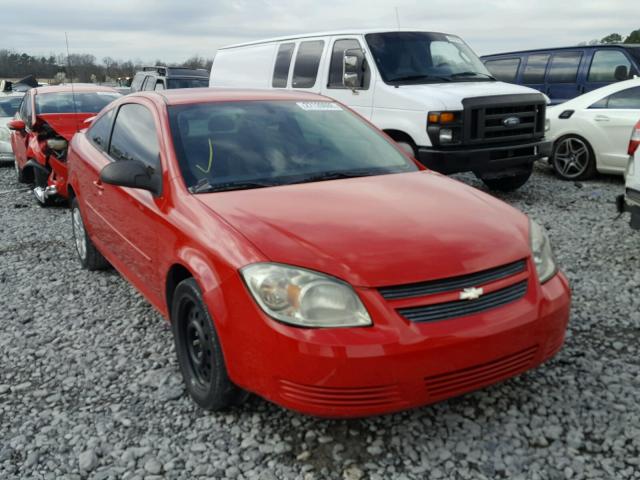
(319, 106)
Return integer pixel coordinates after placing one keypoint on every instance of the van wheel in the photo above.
(408, 147)
(507, 183)
(199, 351)
(573, 158)
(89, 256)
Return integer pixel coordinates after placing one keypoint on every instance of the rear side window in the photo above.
(136, 83)
(564, 67)
(101, 130)
(337, 57)
(307, 63)
(535, 69)
(505, 69)
(148, 83)
(134, 136)
(159, 86)
(283, 63)
(25, 109)
(609, 66)
(625, 99)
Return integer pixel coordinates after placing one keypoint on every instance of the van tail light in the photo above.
(635, 139)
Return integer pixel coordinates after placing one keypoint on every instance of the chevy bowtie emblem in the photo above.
(471, 293)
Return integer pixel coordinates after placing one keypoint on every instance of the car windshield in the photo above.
(188, 82)
(421, 57)
(238, 145)
(63, 102)
(9, 106)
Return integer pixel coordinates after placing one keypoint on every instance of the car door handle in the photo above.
(98, 185)
(601, 118)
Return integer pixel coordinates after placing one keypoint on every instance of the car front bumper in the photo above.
(489, 159)
(630, 202)
(394, 364)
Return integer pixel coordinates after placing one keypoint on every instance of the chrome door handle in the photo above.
(98, 184)
(601, 118)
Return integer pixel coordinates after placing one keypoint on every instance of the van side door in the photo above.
(608, 65)
(309, 56)
(360, 99)
(534, 71)
(562, 75)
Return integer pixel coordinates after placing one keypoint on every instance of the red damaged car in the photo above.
(47, 119)
(301, 255)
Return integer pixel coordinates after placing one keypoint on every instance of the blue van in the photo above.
(564, 73)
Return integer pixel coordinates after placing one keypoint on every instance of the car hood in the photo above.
(66, 124)
(451, 94)
(380, 230)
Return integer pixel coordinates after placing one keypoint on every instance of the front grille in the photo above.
(461, 308)
(487, 118)
(475, 377)
(347, 397)
(633, 195)
(453, 283)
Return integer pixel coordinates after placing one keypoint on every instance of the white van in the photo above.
(428, 91)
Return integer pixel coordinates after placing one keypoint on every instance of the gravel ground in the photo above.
(90, 388)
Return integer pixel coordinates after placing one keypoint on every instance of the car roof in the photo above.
(76, 88)
(355, 31)
(182, 96)
(574, 47)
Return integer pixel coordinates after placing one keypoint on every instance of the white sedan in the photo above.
(630, 201)
(591, 132)
(9, 104)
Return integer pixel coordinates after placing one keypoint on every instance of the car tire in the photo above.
(507, 183)
(572, 158)
(199, 351)
(89, 256)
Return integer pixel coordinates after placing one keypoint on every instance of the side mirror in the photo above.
(621, 73)
(17, 125)
(133, 174)
(352, 68)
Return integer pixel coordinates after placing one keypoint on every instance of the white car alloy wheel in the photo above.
(79, 234)
(572, 158)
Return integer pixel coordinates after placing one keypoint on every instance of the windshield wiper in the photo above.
(337, 175)
(410, 78)
(204, 186)
(471, 74)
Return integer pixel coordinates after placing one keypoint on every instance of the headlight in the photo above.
(5, 134)
(542, 254)
(304, 298)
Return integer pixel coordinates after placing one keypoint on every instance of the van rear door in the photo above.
(360, 99)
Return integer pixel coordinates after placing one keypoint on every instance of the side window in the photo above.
(535, 69)
(505, 69)
(134, 136)
(148, 83)
(336, 67)
(159, 86)
(307, 63)
(23, 107)
(136, 83)
(100, 131)
(283, 63)
(626, 99)
(564, 67)
(609, 66)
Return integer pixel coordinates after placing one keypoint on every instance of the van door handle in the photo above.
(98, 185)
(601, 118)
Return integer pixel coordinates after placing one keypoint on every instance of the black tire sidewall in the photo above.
(83, 261)
(591, 165)
(220, 392)
(507, 183)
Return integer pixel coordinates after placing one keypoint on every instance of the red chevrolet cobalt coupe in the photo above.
(301, 255)
(47, 119)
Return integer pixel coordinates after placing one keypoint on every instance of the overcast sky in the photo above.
(174, 30)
